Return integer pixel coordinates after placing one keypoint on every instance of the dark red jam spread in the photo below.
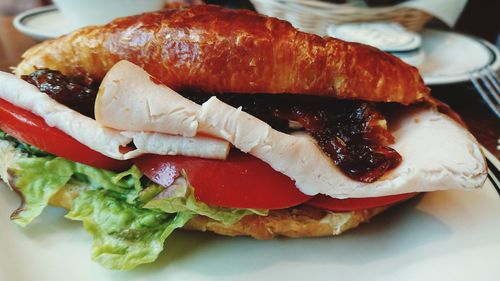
(352, 133)
(77, 92)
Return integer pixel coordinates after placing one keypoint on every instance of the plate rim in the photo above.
(19, 22)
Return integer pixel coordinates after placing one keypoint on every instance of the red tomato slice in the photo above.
(32, 129)
(240, 181)
(352, 204)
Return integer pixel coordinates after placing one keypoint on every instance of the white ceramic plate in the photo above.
(447, 235)
(449, 56)
(43, 23)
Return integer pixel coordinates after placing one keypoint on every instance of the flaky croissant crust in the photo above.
(210, 49)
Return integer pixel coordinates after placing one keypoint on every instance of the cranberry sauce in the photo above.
(78, 92)
(352, 133)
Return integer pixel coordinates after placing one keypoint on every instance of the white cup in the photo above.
(95, 12)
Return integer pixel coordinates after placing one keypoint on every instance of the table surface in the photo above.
(461, 97)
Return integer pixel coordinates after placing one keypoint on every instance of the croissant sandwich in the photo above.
(220, 120)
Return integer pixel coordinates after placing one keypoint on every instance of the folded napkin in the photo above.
(446, 10)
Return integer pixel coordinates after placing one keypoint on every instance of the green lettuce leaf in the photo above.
(124, 235)
(128, 223)
(127, 184)
(38, 179)
(180, 198)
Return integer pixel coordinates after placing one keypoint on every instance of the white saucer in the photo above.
(43, 23)
(387, 36)
(450, 56)
(415, 57)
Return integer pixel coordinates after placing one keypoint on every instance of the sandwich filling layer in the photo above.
(430, 161)
(131, 102)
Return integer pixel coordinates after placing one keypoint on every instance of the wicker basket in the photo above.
(315, 16)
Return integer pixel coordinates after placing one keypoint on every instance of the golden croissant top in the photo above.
(215, 50)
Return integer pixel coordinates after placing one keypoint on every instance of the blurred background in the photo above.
(480, 17)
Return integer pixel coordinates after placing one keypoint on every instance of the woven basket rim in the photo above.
(315, 4)
(315, 19)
